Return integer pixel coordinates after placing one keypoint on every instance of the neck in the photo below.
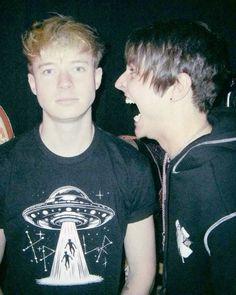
(187, 137)
(180, 131)
(67, 140)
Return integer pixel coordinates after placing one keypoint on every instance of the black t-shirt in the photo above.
(65, 219)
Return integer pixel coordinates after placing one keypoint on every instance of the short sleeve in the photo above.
(4, 178)
(142, 195)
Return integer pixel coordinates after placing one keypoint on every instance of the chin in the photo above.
(139, 133)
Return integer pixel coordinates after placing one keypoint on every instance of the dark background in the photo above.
(114, 20)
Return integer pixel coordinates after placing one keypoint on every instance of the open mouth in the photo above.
(134, 109)
(129, 101)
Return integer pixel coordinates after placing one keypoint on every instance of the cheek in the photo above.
(147, 105)
(85, 85)
(44, 94)
(44, 85)
(137, 88)
(135, 91)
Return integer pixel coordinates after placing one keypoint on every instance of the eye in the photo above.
(47, 72)
(79, 69)
(132, 71)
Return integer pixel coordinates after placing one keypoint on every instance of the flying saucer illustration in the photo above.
(68, 209)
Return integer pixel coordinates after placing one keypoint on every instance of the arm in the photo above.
(141, 257)
(2, 248)
(2, 244)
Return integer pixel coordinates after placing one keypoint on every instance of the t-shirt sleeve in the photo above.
(4, 173)
(142, 200)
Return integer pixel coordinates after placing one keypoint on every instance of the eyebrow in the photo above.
(79, 62)
(72, 62)
(45, 64)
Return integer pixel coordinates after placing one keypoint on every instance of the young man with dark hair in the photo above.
(71, 194)
(175, 70)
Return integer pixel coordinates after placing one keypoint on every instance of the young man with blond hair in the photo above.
(175, 70)
(72, 195)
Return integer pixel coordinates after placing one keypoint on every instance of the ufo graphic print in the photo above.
(68, 211)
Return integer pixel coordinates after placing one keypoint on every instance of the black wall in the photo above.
(114, 20)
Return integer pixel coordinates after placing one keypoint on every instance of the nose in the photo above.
(64, 80)
(121, 82)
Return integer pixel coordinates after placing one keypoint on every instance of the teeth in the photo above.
(128, 100)
(137, 117)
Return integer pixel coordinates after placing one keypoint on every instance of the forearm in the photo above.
(2, 244)
(2, 248)
(141, 257)
(138, 284)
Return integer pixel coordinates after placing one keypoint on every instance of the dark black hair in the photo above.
(166, 49)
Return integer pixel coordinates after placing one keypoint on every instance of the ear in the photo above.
(98, 77)
(182, 86)
(32, 83)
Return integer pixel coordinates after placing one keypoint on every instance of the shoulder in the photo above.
(8, 149)
(119, 147)
(218, 147)
(223, 119)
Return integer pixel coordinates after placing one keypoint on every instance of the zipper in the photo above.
(166, 164)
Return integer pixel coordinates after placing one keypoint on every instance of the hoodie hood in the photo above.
(221, 140)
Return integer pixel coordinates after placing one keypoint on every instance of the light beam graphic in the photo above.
(69, 209)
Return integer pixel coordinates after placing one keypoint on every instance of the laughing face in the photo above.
(153, 107)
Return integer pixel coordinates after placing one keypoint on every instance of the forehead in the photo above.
(57, 54)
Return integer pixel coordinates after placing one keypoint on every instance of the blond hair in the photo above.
(63, 31)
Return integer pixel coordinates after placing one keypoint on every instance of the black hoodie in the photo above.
(200, 213)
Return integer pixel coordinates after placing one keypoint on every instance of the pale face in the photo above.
(153, 107)
(65, 82)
